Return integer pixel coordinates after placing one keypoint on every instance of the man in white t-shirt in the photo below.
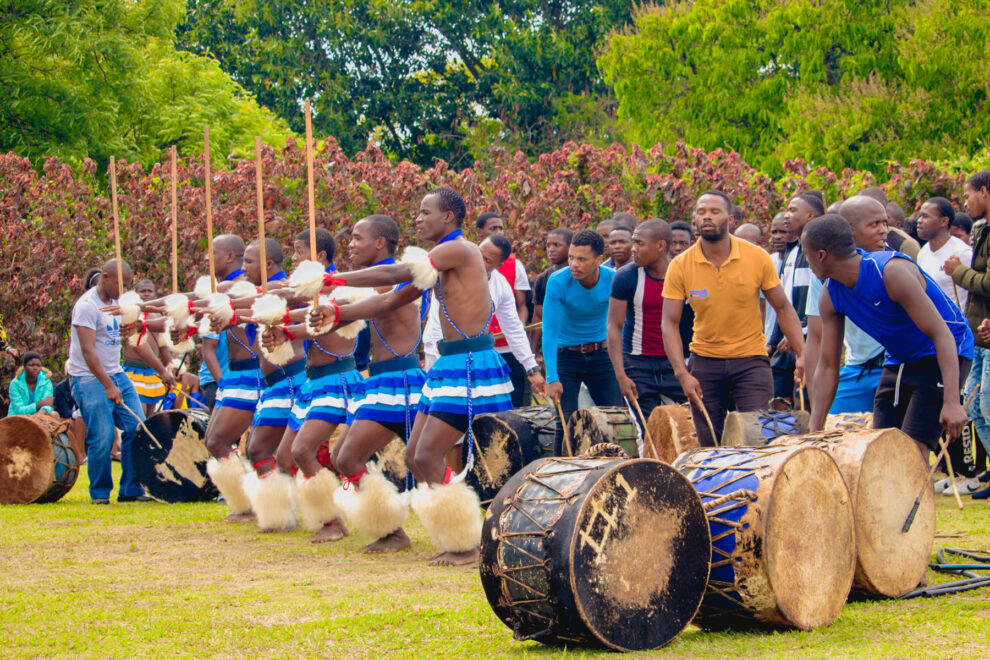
(102, 390)
(934, 220)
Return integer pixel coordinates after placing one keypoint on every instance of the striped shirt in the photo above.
(644, 310)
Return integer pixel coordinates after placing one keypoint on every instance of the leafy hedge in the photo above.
(55, 224)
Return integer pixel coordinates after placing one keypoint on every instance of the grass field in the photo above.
(156, 580)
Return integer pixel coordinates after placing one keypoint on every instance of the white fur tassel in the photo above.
(450, 513)
(202, 289)
(312, 329)
(242, 289)
(204, 326)
(374, 507)
(274, 502)
(218, 306)
(269, 309)
(316, 498)
(307, 279)
(352, 329)
(228, 475)
(183, 347)
(418, 260)
(177, 308)
(349, 295)
(282, 355)
(130, 307)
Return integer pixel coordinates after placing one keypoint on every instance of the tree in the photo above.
(101, 77)
(843, 83)
(427, 78)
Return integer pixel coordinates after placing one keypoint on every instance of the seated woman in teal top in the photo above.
(32, 390)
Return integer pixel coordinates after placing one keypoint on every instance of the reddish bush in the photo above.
(56, 223)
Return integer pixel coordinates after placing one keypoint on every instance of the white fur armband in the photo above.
(203, 289)
(219, 307)
(282, 354)
(307, 279)
(130, 307)
(424, 273)
(269, 309)
(184, 346)
(242, 289)
(177, 309)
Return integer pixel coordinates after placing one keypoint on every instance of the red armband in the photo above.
(288, 335)
(330, 280)
(336, 313)
(190, 331)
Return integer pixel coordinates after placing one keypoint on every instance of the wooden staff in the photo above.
(175, 230)
(140, 422)
(708, 420)
(646, 429)
(917, 501)
(948, 468)
(563, 427)
(261, 215)
(209, 208)
(310, 195)
(116, 227)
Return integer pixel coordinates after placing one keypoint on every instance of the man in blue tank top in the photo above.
(928, 343)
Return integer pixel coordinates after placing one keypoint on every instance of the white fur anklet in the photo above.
(451, 514)
(274, 502)
(317, 504)
(374, 507)
(228, 476)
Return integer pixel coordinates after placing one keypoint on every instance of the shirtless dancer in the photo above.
(470, 378)
(146, 364)
(328, 399)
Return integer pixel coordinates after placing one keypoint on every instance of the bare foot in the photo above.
(332, 531)
(457, 558)
(394, 542)
(240, 517)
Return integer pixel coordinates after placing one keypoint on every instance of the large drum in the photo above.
(171, 466)
(532, 428)
(783, 535)
(37, 459)
(595, 552)
(672, 433)
(761, 427)
(849, 422)
(598, 424)
(883, 471)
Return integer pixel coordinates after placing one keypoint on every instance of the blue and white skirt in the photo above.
(390, 387)
(479, 379)
(240, 388)
(275, 406)
(329, 397)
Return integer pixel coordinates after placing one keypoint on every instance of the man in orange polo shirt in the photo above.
(722, 277)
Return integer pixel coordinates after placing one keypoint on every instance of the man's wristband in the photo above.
(532, 370)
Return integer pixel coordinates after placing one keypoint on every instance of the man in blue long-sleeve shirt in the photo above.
(575, 312)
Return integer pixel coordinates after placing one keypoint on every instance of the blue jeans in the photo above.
(595, 371)
(979, 408)
(857, 389)
(101, 417)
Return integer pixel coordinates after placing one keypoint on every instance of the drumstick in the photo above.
(563, 427)
(948, 468)
(646, 429)
(531, 326)
(116, 226)
(969, 399)
(309, 191)
(208, 188)
(801, 396)
(917, 500)
(141, 424)
(261, 216)
(708, 420)
(189, 398)
(175, 231)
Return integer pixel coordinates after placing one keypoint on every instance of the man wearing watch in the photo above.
(574, 329)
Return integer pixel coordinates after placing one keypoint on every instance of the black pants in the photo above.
(655, 381)
(910, 398)
(209, 394)
(595, 371)
(520, 384)
(746, 381)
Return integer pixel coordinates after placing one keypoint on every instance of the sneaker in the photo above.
(100, 500)
(984, 476)
(969, 486)
(981, 494)
(134, 498)
(942, 485)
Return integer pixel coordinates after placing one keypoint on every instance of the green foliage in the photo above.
(425, 77)
(842, 84)
(95, 78)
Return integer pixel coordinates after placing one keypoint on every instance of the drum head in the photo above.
(497, 456)
(639, 557)
(892, 562)
(65, 469)
(810, 539)
(173, 469)
(26, 460)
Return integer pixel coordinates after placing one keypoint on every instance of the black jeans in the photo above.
(520, 384)
(595, 371)
(747, 381)
(209, 394)
(655, 381)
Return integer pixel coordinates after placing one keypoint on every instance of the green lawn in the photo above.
(155, 580)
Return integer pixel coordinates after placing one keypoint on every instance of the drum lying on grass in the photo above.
(760, 427)
(175, 471)
(596, 552)
(507, 441)
(672, 432)
(598, 424)
(37, 459)
(883, 471)
(783, 536)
